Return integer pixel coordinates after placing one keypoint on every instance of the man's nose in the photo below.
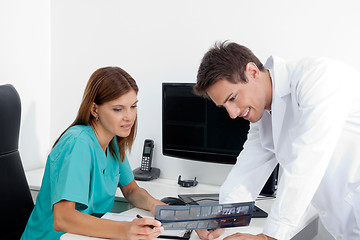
(233, 111)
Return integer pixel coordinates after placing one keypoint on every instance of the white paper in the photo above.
(129, 218)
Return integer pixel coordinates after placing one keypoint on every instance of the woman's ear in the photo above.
(94, 110)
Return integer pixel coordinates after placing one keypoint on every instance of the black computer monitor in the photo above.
(194, 128)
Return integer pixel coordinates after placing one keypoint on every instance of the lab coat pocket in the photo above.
(353, 198)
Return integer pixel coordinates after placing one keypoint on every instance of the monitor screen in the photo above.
(195, 128)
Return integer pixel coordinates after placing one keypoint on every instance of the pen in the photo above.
(139, 216)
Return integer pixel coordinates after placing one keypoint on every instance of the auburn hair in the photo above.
(104, 85)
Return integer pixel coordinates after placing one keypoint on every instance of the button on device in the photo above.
(145, 163)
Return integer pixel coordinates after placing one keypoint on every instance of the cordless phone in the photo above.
(147, 155)
(145, 172)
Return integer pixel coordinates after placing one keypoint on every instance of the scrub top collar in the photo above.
(97, 143)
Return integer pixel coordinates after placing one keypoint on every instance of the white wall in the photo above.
(163, 41)
(50, 48)
(25, 63)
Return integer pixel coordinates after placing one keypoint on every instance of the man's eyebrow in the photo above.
(227, 99)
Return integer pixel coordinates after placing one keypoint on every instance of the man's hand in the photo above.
(245, 236)
(210, 234)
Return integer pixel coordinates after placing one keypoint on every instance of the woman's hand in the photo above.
(245, 236)
(144, 229)
(210, 234)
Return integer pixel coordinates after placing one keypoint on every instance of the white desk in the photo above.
(307, 230)
(160, 188)
(34, 178)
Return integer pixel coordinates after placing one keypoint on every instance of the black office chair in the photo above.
(16, 202)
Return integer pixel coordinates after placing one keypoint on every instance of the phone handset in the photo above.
(145, 172)
(147, 155)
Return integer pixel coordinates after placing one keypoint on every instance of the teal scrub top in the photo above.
(77, 170)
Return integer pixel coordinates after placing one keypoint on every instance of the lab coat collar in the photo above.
(281, 88)
(278, 70)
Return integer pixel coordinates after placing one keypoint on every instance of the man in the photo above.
(305, 115)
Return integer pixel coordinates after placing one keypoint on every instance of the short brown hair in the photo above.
(104, 85)
(226, 60)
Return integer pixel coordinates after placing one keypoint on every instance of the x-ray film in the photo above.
(191, 217)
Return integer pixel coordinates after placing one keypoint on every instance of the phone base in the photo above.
(141, 175)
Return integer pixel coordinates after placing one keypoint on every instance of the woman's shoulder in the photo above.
(77, 133)
(78, 129)
(74, 137)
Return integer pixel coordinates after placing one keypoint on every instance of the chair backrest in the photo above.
(16, 202)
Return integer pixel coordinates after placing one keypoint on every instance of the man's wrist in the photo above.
(265, 237)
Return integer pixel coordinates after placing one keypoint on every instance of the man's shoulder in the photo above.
(316, 63)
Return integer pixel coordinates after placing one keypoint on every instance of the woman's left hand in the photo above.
(245, 236)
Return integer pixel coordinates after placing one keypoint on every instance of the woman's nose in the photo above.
(130, 114)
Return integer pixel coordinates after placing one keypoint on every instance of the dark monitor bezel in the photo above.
(221, 158)
(270, 186)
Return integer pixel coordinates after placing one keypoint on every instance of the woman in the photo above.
(87, 164)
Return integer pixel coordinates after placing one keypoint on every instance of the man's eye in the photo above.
(134, 106)
(232, 99)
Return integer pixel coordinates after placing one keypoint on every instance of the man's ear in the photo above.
(94, 110)
(251, 70)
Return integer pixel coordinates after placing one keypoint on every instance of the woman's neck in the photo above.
(102, 135)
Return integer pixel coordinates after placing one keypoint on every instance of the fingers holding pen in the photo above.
(150, 223)
(147, 228)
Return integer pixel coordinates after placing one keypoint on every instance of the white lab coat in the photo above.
(313, 131)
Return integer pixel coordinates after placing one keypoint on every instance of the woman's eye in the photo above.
(134, 106)
(117, 109)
